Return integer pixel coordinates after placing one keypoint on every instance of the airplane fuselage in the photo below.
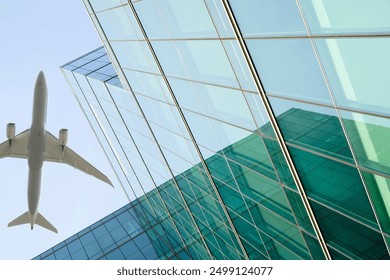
(36, 146)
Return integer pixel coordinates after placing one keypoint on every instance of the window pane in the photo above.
(347, 16)
(369, 136)
(312, 127)
(289, 68)
(358, 72)
(260, 17)
(187, 19)
(117, 23)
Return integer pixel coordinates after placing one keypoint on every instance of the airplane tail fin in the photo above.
(22, 219)
(40, 220)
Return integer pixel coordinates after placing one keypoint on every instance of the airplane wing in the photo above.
(18, 148)
(54, 152)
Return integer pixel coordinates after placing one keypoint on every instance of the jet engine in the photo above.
(11, 131)
(63, 136)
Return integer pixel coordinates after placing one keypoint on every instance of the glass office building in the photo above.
(248, 129)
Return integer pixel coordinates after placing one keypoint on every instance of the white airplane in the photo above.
(38, 145)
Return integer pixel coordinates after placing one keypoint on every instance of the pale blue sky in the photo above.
(42, 35)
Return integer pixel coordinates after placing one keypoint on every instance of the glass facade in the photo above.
(269, 121)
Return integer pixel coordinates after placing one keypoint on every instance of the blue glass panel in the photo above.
(115, 255)
(151, 19)
(206, 61)
(187, 19)
(134, 55)
(263, 17)
(357, 70)
(170, 59)
(289, 68)
(220, 18)
(347, 16)
(239, 65)
(116, 23)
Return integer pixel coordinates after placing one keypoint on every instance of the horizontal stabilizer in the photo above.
(22, 219)
(40, 220)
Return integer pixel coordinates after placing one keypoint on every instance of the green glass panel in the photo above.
(357, 71)
(279, 162)
(299, 210)
(336, 255)
(283, 233)
(230, 197)
(267, 193)
(369, 138)
(251, 153)
(249, 233)
(312, 127)
(350, 238)
(334, 184)
(314, 247)
(347, 16)
(379, 190)
(220, 170)
(253, 253)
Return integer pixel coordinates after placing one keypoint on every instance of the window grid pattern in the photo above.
(332, 131)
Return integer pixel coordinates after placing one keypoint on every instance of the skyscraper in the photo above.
(254, 129)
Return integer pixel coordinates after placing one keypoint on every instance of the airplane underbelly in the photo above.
(33, 190)
(36, 149)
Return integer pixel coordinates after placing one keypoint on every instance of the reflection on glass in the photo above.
(312, 127)
(351, 240)
(334, 184)
(369, 136)
(379, 190)
(347, 16)
(357, 70)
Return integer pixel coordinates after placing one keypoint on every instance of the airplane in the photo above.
(38, 145)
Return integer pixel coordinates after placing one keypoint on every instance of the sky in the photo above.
(43, 35)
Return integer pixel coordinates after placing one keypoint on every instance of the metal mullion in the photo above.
(276, 128)
(188, 129)
(327, 82)
(139, 107)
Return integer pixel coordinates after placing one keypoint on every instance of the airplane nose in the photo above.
(41, 77)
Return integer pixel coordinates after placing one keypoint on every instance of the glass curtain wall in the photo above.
(189, 99)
